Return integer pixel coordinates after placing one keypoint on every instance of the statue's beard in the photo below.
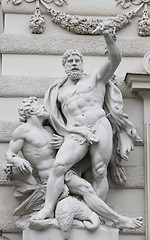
(41, 113)
(74, 75)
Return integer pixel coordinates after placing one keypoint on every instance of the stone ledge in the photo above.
(139, 83)
(7, 220)
(102, 232)
(18, 86)
(135, 178)
(7, 128)
(125, 90)
(57, 44)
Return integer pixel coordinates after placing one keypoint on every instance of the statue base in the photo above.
(103, 232)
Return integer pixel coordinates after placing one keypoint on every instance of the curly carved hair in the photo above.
(70, 52)
(26, 109)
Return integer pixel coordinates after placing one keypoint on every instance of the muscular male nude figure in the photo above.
(37, 145)
(82, 121)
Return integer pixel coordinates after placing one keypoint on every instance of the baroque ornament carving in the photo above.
(57, 2)
(37, 22)
(144, 21)
(82, 25)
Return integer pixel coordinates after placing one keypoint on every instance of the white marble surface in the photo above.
(103, 233)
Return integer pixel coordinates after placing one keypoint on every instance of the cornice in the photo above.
(140, 83)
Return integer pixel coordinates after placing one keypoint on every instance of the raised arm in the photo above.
(105, 72)
(15, 146)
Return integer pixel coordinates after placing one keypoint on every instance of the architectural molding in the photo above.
(147, 171)
(7, 128)
(135, 178)
(140, 83)
(102, 232)
(17, 86)
(57, 45)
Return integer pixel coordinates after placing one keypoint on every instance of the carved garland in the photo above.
(81, 25)
(144, 21)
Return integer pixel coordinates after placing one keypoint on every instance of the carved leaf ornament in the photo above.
(144, 21)
(82, 25)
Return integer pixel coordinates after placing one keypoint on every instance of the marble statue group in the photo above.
(79, 131)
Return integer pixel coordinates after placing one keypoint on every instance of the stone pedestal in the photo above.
(102, 233)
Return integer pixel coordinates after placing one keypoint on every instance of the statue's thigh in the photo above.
(101, 152)
(71, 152)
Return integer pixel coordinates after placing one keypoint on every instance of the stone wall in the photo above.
(31, 62)
(1, 30)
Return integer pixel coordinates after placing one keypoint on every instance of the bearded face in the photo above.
(74, 67)
(40, 111)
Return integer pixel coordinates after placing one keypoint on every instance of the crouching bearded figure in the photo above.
(87, 111)
(38, 145)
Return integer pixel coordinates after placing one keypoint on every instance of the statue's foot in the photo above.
(130, 223)
(43, 214)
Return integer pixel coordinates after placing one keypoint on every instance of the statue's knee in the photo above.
(58, 169)
(100, 172)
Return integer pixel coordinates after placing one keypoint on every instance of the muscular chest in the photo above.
(37, 137)
(80, 90)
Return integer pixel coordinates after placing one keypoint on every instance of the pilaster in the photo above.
(140, 84)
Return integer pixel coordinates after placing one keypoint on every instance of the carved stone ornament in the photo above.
(144, 21)
(82, 121)
(37, 22)
(128, 3)
(57, 2)
(146, 62)
(82, 25)
(144, 24)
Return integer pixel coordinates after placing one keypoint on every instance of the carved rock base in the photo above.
(102, 233)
